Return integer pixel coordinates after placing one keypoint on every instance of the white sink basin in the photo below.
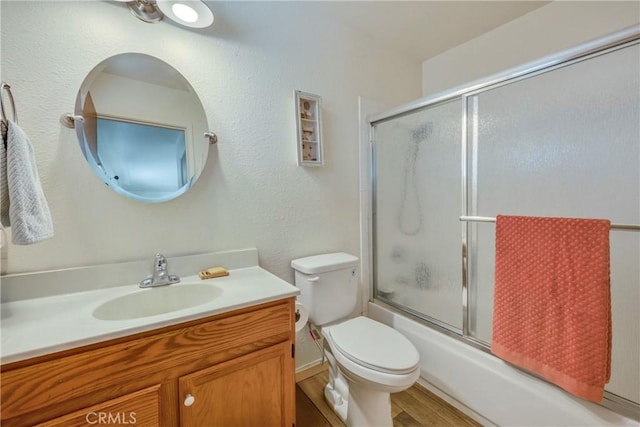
(158, 300)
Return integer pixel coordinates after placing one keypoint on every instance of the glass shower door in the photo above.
(564, 143)
(418, 197)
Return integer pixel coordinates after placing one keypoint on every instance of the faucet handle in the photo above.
(160, 262)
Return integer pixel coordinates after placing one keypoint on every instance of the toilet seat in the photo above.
(373, 345)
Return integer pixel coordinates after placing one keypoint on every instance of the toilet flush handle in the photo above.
(313, 279)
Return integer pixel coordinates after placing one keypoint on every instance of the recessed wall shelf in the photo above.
(309, 129)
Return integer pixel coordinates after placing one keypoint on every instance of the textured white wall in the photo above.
(252, 193)
(549, 29)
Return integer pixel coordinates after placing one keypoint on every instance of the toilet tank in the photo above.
(328, 285)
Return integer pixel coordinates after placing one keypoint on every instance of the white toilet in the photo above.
(367, 360)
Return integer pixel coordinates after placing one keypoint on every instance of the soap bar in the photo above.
(212, 272)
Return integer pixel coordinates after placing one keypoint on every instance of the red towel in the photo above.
(552, 300)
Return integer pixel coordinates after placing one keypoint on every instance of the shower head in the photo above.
(422, 132)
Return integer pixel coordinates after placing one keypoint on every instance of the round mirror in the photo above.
(143, 127)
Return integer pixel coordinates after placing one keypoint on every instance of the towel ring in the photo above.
(7, 88)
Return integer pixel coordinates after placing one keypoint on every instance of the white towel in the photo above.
(29, 213)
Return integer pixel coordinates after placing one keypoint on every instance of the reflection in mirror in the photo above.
(143, 127)
(143, 159)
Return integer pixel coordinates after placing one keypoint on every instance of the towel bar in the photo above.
(627, 227)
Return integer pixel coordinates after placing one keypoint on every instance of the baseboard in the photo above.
(310, 369)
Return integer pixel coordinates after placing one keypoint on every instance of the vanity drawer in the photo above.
(140, 408)
(84, 377)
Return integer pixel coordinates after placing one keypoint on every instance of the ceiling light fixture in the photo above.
(190, 13)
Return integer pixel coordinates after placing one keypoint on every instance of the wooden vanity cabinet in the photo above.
(232, 369)
(248, 391)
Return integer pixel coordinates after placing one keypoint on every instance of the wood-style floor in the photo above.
(415, 407)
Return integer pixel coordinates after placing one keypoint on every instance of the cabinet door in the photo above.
(141, 408)
(257, 389)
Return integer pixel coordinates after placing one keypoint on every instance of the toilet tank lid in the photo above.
(322, 263)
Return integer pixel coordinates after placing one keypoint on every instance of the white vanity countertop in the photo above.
(39, 326)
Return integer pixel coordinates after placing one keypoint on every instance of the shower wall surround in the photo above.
(251, 193)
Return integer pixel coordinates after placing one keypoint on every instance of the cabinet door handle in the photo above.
(188, 401)
(313, 279)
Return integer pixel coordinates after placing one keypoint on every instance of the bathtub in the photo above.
(487, 388)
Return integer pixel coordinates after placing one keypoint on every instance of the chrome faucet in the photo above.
(159, 274)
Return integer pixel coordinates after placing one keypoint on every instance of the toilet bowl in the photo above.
(371, 360)
(367, 359)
